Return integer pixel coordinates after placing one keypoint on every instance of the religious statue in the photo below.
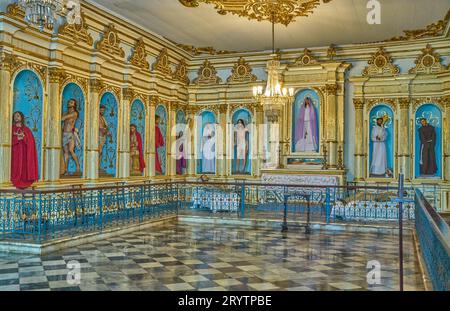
(306, 128)
(71, 138)
(159, 142)
(103, 133)
(379, 151)
(136, 151)
(427, 134)
(241, 143)
(181, 153)
(24, 161)
(209, 149)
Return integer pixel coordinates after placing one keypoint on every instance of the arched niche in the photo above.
(108, 160)
(206, 146)
(161, 148)
(241, 142)
(72, 94)
(305, 128)
(137, 118)
(427, 154)
(381, 149)
(28, 98)
(182, 140)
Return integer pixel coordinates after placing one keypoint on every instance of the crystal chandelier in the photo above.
(42, 13)
(274, 94)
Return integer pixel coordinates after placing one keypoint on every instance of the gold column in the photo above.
(171, 139)
(221, 142)
(359, 139)
(151, 137)
(92, 117)
(273, 145)
(404, 157)
(446, 147)
(124, 133)
(331, 123)
(258, 141)
(7, 61)
(229, 137)
(190, 114)
(53, 129)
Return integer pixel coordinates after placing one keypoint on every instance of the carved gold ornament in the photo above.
(380, 65)
(280, 11)
(110, 42)
(162, 64)
(9, 62)
(428, 62)
(180, 73)
(207, 74)
(241, 72)
(56, 75)
(434, 30)
(203, 50)
(139, 56)
(76, 32)
(305, 59)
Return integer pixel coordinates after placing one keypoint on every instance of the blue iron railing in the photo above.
(43, 215)
(434, 238)
(48, 214)
(268, 201)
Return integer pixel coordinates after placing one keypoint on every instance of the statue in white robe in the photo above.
(209, 149)
(379, 151)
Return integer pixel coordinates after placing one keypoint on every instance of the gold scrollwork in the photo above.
(76, 32)
(380, 65)
(281, 11)
(305, 59)
(162, 63)
(109, 43)
(139, 56)
(432, 30)
(180, 73)
(207, 74)
(241, 72)
(429, 62)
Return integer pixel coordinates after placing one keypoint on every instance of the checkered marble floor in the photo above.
(179, 257)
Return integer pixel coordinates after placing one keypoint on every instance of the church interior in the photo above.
(225, 145)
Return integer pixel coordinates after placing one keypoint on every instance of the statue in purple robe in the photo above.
(306, 128)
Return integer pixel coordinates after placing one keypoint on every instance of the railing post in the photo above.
(308, 215)
(39, 216)
(100, 203)
(243, 199)
(284, 226)
(141, 207)
(327, 205)
(400, 226)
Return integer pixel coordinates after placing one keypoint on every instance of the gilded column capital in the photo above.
(446, 101)
(153, 100)
(358, 103)
(96, 85)
(9, 62)
(331, 89)
(404, 103)
(222, 108)
(56, 75)
(128, 94)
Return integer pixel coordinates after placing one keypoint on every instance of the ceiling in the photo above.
(337, 22)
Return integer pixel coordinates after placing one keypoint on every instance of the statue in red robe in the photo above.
(137, 154)
(24, 162)
(159, 142)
